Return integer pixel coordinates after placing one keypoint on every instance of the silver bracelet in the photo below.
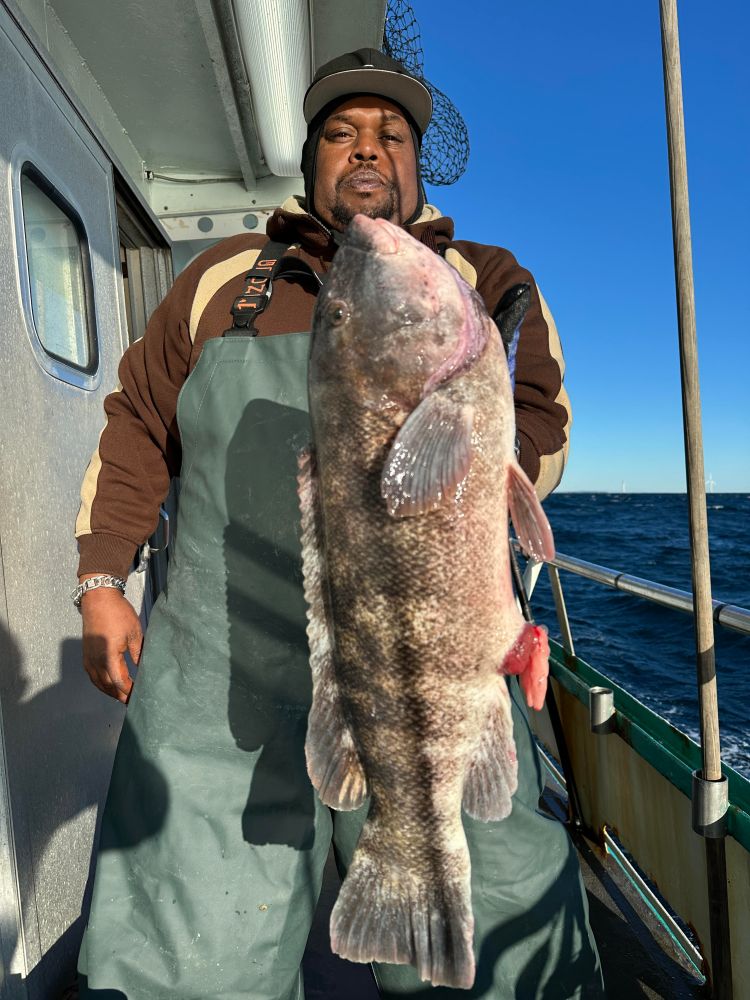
(96, 581)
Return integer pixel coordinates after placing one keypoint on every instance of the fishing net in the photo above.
(445, 146)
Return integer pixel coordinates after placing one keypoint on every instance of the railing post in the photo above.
(721, 961)
(562, 611)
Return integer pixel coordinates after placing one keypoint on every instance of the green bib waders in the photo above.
(213, 841)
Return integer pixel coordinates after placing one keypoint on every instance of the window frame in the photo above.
(58, 367)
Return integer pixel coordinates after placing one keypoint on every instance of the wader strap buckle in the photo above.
(271, 264)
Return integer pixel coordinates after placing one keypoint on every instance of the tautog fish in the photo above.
(412, 619)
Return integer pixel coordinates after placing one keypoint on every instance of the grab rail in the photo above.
(729, 615)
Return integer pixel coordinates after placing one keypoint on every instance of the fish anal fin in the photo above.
(529, 520)
(492, 773)
(429, 458)
(332, 759)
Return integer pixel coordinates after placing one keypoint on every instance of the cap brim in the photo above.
(404, 90)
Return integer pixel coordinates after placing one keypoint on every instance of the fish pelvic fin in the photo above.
(492, 774)
(529, 520)
(384, 914)
(332, 759)
(429, 458)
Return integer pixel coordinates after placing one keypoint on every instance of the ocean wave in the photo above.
(644, 648)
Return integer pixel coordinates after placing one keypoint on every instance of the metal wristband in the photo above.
(96, 581)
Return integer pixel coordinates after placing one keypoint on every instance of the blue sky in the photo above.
(565, 108)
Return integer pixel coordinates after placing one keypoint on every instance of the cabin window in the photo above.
(59, 273)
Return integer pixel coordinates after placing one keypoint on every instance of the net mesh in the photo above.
(445, 145)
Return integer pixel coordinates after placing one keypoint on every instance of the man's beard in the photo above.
(388, 207)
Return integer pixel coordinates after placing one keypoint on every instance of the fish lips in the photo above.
(373, 235)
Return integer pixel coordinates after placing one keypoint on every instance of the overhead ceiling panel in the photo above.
(151, 60)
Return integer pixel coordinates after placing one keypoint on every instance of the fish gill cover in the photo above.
(445, 147)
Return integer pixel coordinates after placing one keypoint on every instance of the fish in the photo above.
(412, 621)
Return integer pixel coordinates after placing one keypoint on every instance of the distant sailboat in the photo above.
(710, 484)
(622, 487)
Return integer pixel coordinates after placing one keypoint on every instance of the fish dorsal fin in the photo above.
(429, 458)
(529, 520)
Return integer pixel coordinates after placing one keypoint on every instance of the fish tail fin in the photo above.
(384, 914)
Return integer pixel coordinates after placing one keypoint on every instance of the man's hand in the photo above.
(110, 629)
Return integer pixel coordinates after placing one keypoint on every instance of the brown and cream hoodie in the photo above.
(139, 448)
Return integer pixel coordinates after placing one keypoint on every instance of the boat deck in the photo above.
(638, 957)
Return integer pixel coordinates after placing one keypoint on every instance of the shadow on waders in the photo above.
(270, 684)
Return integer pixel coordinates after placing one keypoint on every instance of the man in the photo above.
(213, 842)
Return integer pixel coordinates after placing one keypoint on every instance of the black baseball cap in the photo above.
(368, 71)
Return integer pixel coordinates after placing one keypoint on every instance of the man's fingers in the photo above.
(110, 630)
(96, 680)
(101, 680)
(119, 677)
(105, 684)
(108, 671)
(135, 643)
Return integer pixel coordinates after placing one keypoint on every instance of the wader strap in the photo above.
(270, 265)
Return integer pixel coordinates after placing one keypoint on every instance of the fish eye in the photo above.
(338, 312)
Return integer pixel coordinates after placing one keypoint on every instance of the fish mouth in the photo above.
(373, 235)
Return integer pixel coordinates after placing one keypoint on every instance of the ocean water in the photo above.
(643, 647)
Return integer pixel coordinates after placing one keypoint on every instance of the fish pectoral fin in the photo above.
(429, 458)
(332, 760)
(492, 774)
(529, 520)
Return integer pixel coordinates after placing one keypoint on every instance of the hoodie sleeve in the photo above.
(543, 415)
(139, 448)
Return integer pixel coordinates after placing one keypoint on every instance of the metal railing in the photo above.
(729, 615)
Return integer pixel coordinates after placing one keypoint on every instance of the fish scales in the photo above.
(408, 565)
(395, 589)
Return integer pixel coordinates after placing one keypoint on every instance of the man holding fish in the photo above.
(407, 452)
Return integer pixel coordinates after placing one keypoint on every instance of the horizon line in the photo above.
(620, 493)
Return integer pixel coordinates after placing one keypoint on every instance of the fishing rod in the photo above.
(709, 785)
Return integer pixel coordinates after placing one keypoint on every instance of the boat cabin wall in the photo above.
(68, 309)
